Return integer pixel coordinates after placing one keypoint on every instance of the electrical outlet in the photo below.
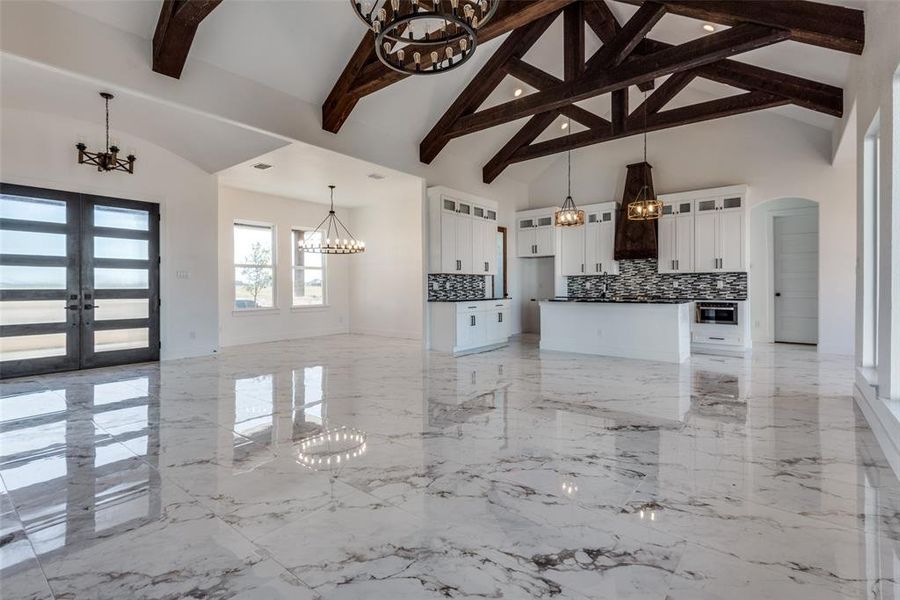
(588, 285)
(599, 333)
(720, 284)
(192, 335)
(182, 274)
(435, 286)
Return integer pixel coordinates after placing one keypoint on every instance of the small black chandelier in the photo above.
(424, 37)
(109, 160)
(331, 240)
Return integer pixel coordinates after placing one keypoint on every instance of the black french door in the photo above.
(79, 281)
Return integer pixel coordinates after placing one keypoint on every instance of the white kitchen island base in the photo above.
(648, 331)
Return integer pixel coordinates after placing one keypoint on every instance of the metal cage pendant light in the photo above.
(331, 240)
(108, 160)
(424, 37)
(568, 214)
(645, 208)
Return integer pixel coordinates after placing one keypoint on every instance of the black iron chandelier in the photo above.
(331, 240)
(568, 214)
(645, 208)
(109, 160)
(423, 37)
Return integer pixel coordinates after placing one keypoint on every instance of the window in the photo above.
(309, 271)
(254, 266)
(871, 243)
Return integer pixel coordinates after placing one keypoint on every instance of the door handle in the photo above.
(777, 294)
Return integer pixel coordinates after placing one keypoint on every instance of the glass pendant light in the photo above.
(645, 208)
(332, 236)
(568, 214)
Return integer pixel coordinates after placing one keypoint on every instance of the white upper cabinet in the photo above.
(462, 233)
(535, 234)
(704, 231)
(572, 250)
(589, 250)
(720, 234)
(676, 238)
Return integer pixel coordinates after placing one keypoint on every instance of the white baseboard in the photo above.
(391, 333)
(885, 423)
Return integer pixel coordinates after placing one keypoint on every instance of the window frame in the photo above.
(295, 268)
(273, 265)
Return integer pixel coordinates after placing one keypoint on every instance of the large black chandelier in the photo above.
(423, 37)
(109, 160)
(333, 238)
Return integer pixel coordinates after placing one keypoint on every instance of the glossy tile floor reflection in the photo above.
(360, 467)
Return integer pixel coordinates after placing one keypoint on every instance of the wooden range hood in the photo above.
(635, 239)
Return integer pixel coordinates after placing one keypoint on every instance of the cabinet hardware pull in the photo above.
(499, 317)
(677, 265)
(599, 267)
(717, 338)
(582, 267)
(472, 324)
(673, 264)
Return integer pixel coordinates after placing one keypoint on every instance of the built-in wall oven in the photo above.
(717, 313)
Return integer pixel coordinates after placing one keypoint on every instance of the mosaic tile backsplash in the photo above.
(455, 287)
(639, 278)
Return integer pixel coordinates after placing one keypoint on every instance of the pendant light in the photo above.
(331, 240)
(568, 214)
(645, 208)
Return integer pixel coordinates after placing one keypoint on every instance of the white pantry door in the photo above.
(796, 277)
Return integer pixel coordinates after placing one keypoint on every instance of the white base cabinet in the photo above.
(462, 327)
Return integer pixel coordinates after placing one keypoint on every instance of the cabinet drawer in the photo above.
(726, 339)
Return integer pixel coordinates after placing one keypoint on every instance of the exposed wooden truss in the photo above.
(175, 29)
(626, 58)
(365, 74)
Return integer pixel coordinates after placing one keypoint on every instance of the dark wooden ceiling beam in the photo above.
(541, 80)
(604, 24)
(178, 22)
(480, 87)
(816, 23)
(686, 56)
(695, 113)
(631, 34)
(618, 110)
(665, 92)
(573, 41)
(527, 134)
(355, 83)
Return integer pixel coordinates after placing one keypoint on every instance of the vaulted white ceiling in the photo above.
(300, 48)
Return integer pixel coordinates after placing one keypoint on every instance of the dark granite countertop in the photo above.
(473, 300)
(614, 300)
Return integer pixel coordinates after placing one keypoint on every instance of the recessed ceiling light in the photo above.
(262, 166)
(518, 92)
(565, 125)
(377, 176)
(708, 27)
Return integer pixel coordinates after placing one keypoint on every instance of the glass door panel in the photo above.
(120, 281)
(38, 280)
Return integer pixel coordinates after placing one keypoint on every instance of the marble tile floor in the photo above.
(363, 467)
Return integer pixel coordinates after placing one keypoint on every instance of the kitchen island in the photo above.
(643, 329)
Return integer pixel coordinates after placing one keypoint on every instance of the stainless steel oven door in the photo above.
(718, 313)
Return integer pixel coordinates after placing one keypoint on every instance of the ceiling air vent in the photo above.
(376, 176)
(262, 166)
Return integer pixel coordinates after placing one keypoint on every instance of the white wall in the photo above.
(388, 283)
(38, 149)
(873, 89)
(284, 321)
(775, 156)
